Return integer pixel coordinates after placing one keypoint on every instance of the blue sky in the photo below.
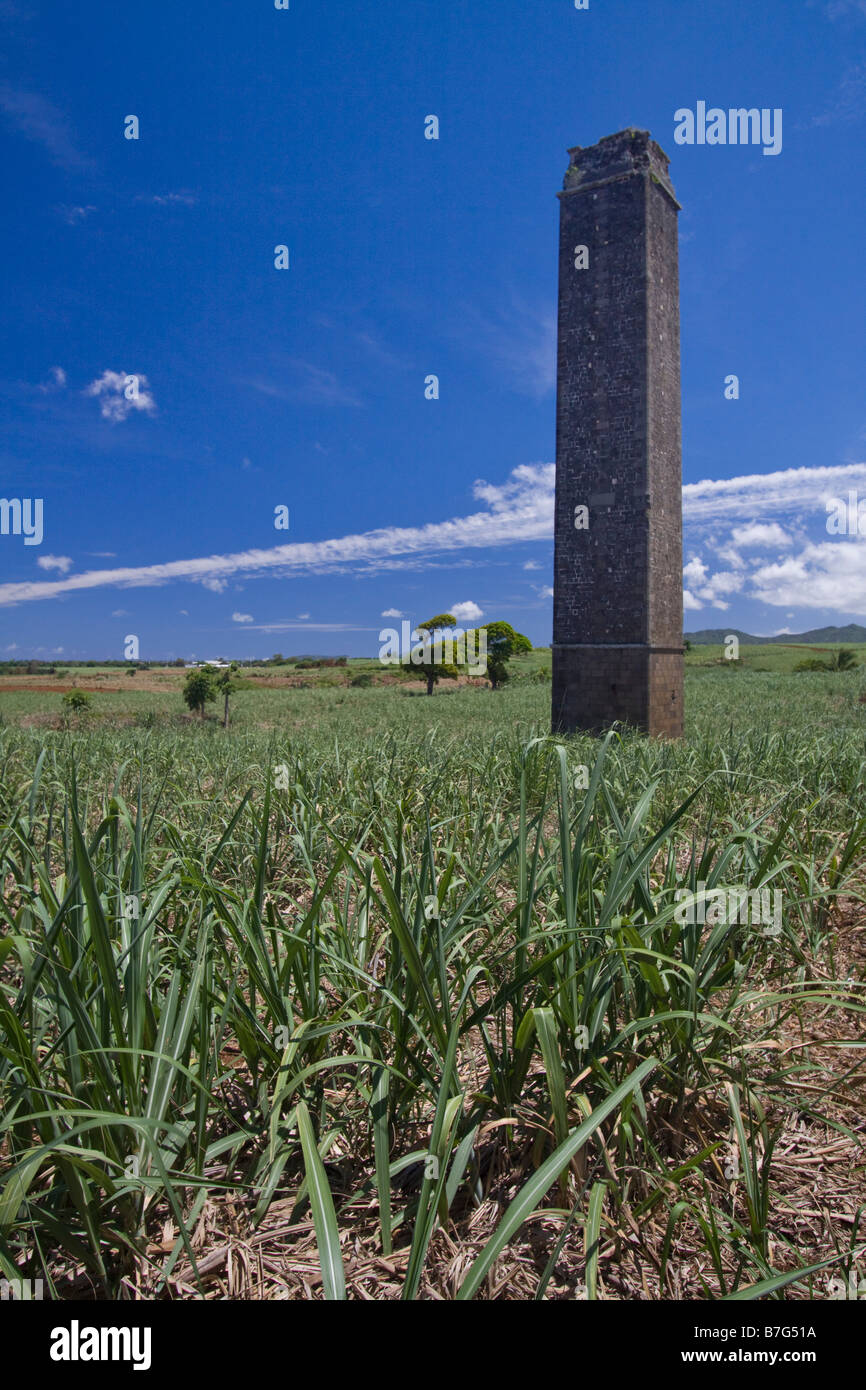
(305, 387)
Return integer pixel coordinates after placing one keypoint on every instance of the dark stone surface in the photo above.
(617, 608)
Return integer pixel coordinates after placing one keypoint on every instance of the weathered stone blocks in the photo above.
(617, 609)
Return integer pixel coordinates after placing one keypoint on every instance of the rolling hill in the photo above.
(849, 635)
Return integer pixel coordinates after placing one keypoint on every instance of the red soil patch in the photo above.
(62, 689)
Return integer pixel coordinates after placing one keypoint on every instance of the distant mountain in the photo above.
(844, 636)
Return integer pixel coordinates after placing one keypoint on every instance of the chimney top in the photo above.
(626, 153)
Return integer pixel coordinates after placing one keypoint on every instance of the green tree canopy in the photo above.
(503, 642)
(199, 688)
(842, 660)
(77, 701)
(431, 669)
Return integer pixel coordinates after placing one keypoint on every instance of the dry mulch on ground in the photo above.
(818, 1188)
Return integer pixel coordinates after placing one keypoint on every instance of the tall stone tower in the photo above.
(618, 607)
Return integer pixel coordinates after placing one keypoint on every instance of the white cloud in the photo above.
(760, 534)
(849, 98)
(57, 382)
(392, 613)
(532, 565)
(690, 603)
(36, 119)
(828, 575)
(74, 215)
(723, 582)
(840, 7)
(708, 590)
(242, 617)
(61, 563)
(792, 491)
(120, 613)
(519, 510)
(467, 612)
(518, 340)
(188, 200)
(732, 557)
(546, 592)
(695, 571)
(307, 383)
(120, 393)
(530, 486)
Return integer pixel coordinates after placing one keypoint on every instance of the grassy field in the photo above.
(379, 996)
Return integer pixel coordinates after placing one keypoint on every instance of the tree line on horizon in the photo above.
(204, 684)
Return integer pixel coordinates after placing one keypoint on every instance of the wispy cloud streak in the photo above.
(516, 511)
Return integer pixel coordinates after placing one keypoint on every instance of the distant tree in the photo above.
(179, 661)
(520, 643)
(227, 685)
(843, 660)
(687, 644)
(198, 688)
(502, 644)
(76, 701)
(430, 669)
